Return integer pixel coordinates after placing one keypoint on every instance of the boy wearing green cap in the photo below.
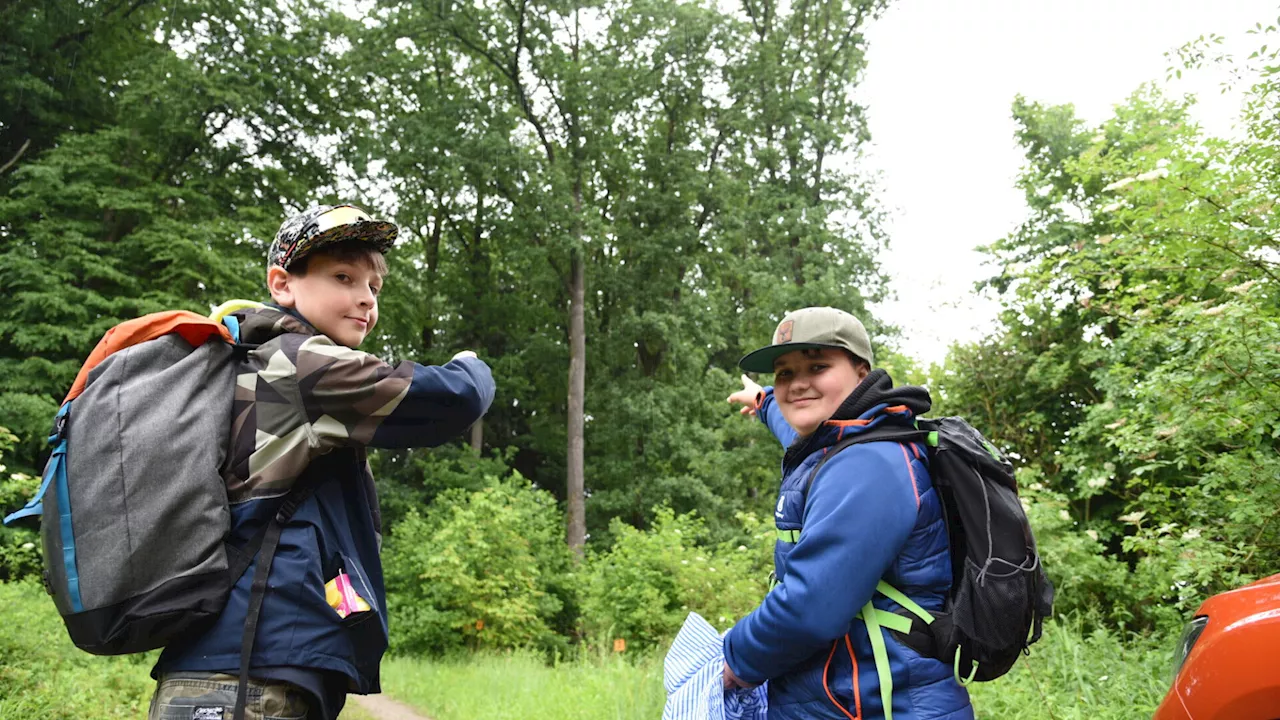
(307, 405)
(870, 514)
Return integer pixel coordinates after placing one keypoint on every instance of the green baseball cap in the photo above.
(813, 327)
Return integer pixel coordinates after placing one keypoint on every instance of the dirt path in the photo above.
(381, 707)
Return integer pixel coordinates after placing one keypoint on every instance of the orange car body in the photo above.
(1233, 669)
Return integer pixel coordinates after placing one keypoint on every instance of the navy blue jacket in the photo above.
(305, 410)
(871, 514)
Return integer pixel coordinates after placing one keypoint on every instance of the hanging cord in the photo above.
(1036, 681)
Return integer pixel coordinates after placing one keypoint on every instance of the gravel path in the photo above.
(382, 707)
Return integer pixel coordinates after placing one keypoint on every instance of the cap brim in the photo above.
(761, 361)
(379, 233)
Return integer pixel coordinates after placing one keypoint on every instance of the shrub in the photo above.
(483, 569)
(20, 546)
(643, 587)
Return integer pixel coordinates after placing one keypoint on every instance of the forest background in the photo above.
(610, 202)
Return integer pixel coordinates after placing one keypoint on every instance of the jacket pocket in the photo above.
(360, 615)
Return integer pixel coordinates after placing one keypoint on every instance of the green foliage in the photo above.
(643, 587)
(1087, 580)
(19, 547)
(523, 686)
(1134, 373)
(164, 149)
(1073, 674)
(686, 152)
(485, 569)
(44, 676)
(411, 480)
(1078, 673)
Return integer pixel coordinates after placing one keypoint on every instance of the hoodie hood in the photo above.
(867, 402)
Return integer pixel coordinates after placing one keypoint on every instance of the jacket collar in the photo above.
(261, 324)
(873, 402)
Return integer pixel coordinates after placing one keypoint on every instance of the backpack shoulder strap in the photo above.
(263, 545)
(921, 433)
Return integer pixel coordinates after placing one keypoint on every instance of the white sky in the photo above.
(940, 82)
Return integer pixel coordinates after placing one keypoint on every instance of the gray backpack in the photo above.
(135, 520)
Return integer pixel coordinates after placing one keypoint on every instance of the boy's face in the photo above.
(338, 297)
(809, 385)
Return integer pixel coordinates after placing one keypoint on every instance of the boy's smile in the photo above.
(338, 297)
(809, 385)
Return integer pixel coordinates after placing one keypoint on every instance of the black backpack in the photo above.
(999, 592)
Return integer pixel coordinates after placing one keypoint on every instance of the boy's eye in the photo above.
(377, 289)
(817, 368)
(343, 277)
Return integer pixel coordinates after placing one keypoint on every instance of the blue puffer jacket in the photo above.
(871, 514)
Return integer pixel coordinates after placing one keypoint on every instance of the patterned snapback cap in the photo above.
(323, 225)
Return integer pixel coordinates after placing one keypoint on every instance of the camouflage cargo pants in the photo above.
(211, 696)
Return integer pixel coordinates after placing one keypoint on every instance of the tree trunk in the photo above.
(574, 464)
(577, 531)
(477, 435)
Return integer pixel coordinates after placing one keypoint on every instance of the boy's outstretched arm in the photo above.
(353, 397)
(759, 401)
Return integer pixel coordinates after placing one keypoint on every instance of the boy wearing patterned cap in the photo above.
(307, 405)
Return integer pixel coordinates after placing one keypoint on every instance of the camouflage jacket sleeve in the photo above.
(301, 396)
(351, 397)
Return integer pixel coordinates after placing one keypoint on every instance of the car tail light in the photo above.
(1188, 641)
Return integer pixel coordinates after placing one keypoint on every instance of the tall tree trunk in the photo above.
(574, 463)
(432, 242)
(477, 435)
(577, 522)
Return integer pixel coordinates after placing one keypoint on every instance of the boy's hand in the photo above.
(747, 396)
(463, 354)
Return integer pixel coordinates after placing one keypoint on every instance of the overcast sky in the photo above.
(941, 78)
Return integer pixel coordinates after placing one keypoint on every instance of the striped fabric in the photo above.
(693, 675)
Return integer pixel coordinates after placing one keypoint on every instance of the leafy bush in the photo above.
(413, 478)
(19, 547)
(643, 587)
(483, 569)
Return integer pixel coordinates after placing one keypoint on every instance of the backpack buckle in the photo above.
(60, 424)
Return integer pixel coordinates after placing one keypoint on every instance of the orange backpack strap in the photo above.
(195, 329)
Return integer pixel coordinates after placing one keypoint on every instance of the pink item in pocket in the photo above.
(342, 596)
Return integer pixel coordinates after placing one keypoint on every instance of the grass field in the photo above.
(1071, 675)
(43, 675)
(521, 686)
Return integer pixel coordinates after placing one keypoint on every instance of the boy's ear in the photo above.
(279, 283)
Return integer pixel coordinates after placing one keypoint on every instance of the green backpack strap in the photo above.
(876, 620)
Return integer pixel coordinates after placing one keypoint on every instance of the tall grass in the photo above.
(522, 686)
(1071, 674)
(1074, 674)
(43, 675)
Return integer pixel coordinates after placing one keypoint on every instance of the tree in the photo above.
(610, 160)
(1134, 371)
(163, 192)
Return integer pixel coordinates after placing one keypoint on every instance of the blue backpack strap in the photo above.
(35, 505)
